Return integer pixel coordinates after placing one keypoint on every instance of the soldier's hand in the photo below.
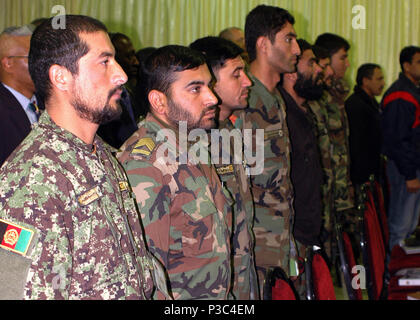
(413, 185)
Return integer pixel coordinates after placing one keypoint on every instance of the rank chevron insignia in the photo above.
(144, 146)
(14, 237)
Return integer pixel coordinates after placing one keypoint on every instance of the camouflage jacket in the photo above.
(81, 235)
(319, 115)
(272, 189)
(234, 176)
(184, 208)
(338, 130)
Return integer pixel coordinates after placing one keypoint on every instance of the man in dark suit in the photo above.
(365, 124)
(16, 90)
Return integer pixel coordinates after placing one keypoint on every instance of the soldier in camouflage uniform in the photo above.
(338, 129)
(69, 228)
(320, 119)
(297, 90)
(184, 207)
(338, 133)
(267, 30)
(224, 59)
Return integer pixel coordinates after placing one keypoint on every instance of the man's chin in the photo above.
(111, 113)
(208, 124)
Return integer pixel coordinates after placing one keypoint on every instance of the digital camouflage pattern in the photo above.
(76, 198)
(185, 211)
(236, 180)
(272, 190)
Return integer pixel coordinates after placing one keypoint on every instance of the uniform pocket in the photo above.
(198, 232)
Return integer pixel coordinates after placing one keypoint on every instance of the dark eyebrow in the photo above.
(291, 34)
(238, 69)
(106, 54)
(195, 83)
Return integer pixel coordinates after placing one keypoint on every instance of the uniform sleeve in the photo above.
(398, 118)
(153, 201)
(37, 207)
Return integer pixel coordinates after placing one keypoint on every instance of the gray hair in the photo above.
(18, 31)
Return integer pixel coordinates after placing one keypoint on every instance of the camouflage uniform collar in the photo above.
(269, 99)
(45, 122)
(157, 124)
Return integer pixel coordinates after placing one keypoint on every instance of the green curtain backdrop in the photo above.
(390, 24)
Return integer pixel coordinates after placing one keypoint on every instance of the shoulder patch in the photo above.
(14, 237)
(144, 147)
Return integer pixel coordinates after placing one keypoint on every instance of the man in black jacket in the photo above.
(401, 134)
(365, 124)
(306, 173)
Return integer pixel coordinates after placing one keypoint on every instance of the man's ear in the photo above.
(261, 44)
(158, 102)
(6, 63)
(60, 77)
(406, 67)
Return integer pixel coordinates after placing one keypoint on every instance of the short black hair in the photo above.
(320, 52)
(51, 45)
(264, 21)
(217, 51)
(407, 54)
(304, 45)
(365, 71)
(332, 43)
(161, 66)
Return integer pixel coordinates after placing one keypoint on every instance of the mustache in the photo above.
(113, 91)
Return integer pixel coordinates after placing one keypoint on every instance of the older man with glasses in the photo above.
(17, 101)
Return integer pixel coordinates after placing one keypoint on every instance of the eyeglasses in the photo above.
(18, 57)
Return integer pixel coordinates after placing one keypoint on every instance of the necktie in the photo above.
(34, 108)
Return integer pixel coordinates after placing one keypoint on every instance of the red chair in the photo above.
(381, 211)
(401, 260)
(373, 251)
(354, 294)
(278, 286)
(320, 278)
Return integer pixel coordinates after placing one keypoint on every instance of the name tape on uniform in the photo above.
(228, 169)
(89, 196)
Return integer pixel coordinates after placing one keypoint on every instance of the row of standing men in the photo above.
(211, 230)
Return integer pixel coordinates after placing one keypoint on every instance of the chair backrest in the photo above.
(375, 251)
(381, 211)
(354, 294)
(321, 278)
(278, 286)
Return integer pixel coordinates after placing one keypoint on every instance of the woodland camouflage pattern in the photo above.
(75, 200)
(338, 130)
(272, 190)
(319, 117)
(185, 211)
(234, 177)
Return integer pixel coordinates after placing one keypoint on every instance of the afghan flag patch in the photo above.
(14, 237)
